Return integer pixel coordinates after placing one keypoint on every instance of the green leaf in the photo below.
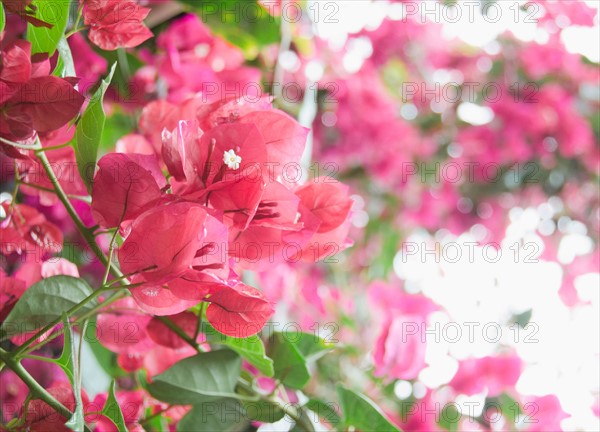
(291, 354)
(504, 403)
(449, 418)
(55, 12)
(44, 302)
(290, 365)
(310, 346)
(112, 410)
(2, 18)
(89, 132)
(325, 410)
(64, 65)
(263, 411)
(252, 348)
(67, 358)
(362, 413)
(69, 363)
(223, 414)
(192, 379)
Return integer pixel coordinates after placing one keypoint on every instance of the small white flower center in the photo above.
(231, 159)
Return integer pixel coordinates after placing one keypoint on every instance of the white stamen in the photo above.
(231, 159)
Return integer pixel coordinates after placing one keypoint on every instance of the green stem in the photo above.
(200, 316)
(87, 233)
(17, 145)
(56, 147)
(34, 386)
(102, 232)
(86, 199)
(76, 30)
(179, 332)
(153, 416)
(111, 249)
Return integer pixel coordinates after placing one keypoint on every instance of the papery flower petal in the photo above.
(117, 24)
(159, 359)
(164, 336)
(230, 110)
(156, 300)
(181, 148)
(41, 417)
(284, 138)
(134, 143)
(122, 328)
(16, 63)
(244, 139)
(328, 200)
(239, 311)
(494, 374)
(49, 102)
(163, 241)
(124, 186)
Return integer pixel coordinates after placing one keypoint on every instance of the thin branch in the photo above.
(34, 386)
(18, 145)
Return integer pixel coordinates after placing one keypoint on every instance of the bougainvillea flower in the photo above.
(392, 298)
(180, 149)
(192, 60)
(239, 311)
(41, 417)
(30, 99)
(494, 374)
(243, 139)
(262, 241)
(134, 143)
(125, 185)
(400, 348)
(116, 23)
(158, 300)
(163, 241)
(324, 202)
(13, 392)
(88, 64)
(230, 110)
(11, 290)
(328, 200)
(164, 336)
(544, 413)
(25, 228)
(195, 286)
(160, 115)
(284, 138)
(238, 199)
(121, 327)
(159, 358)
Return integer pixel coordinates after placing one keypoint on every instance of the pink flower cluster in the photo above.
(225, 207)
